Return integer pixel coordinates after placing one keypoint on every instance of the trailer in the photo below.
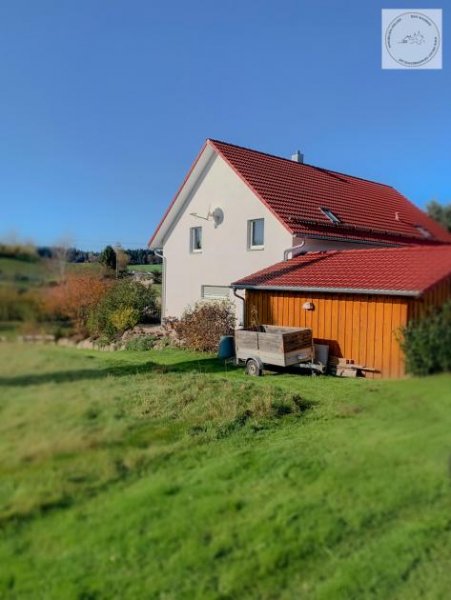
(275, 346)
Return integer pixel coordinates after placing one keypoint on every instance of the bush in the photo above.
(24, 252)
(19, 305)
(157, 276)
(201, 327)
(75, 298)
(141, 343)
(124, 318)
(126, 304)
(427, 342)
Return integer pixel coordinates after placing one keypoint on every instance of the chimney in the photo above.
(297, 157)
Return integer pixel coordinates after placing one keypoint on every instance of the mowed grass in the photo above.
(146, 268)
(166, 475)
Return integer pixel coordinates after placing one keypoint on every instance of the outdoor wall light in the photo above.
(308, 306)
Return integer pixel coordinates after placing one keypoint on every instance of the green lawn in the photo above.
(164, 475)
(146, 268)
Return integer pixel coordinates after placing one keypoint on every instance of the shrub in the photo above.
(75, 298)
(20, 305)
(157, 276)
(201, 326)
(141, 343)
(24, 252)
(124, 318)
(125, 304)
(426, 342)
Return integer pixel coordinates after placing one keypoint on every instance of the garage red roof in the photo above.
(297, 192)
(400, 271)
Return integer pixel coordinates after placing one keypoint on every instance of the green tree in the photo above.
(108, 258)
(440, 213)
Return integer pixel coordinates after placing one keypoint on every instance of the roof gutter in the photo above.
(326, 290)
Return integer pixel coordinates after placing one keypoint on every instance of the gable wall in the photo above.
(225, 256)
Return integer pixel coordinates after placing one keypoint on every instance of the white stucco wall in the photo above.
(317, 245)
(225, 256)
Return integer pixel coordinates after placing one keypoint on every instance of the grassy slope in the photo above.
(161, 475)
(12, 271)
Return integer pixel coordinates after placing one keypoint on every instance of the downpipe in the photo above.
(163, 287)
(291, 250)
(244, 302)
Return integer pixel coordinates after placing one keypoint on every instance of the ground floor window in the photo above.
(215, 292)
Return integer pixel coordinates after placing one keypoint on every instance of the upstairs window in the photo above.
(256, 234)
(424, 232)
(330, 215)
(195, 239)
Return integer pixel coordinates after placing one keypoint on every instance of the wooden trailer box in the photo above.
(272, 345)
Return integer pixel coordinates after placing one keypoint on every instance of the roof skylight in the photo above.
(424, 232)
(330, 215)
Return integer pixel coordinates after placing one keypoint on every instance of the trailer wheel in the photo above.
(253, 368)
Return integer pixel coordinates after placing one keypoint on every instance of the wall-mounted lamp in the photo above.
(308, 306)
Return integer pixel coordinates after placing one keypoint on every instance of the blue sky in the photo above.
(105, 103)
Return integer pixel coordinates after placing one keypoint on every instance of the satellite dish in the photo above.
(218, 216)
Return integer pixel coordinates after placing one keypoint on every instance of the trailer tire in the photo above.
(253, 368)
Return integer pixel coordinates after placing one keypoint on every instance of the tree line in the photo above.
(140, 256)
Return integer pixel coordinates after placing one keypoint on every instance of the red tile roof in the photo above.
(401, 271)
(296, 192)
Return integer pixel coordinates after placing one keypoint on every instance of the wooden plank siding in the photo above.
(437, 296)
(359, 327)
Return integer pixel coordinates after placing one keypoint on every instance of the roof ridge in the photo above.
(323, 169)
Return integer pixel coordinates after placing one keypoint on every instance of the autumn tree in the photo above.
(74, 298)
(122, 260)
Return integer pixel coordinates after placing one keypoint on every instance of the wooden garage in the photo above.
(355, 301)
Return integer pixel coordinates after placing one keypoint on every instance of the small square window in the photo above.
(330, 215)
(256, 233)
(196, 239)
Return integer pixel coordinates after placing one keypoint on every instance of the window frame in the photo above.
(192, 238)
(250, 234)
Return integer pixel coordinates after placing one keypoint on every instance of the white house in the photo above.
(240, 210)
